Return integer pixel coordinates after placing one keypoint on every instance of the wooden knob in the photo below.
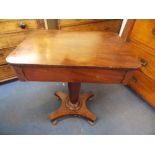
(153, 31)
(143, 62)
(134, 79)
(22, 25)
(1, 52)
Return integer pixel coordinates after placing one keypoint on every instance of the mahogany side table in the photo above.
(73, 57)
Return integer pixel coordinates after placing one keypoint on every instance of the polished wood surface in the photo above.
(6, 72)
(147, 58)
(73, 57)
(76, 49)
(144, 86)
(73, 103)
(73, 22)
(128, 29)
(67, 108)
(12, 40)
(4, 53)
(74, 90)
(9, 26)
(70, 74)
(144, 32)
(141, 36)
(112, 25)
(12, 33)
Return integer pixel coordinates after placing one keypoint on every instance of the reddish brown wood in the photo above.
(63, 110)
(74, 90)
(145, 86)
(85, 49)
(73, 57)
(112, 25)
(143, 33)
(127, 77)
(12, 33)
(70, 74)
(142, 38)
(128, 29)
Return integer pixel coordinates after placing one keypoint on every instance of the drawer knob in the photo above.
(134, 79)
(1, 52)
(22, 25)
(143, 62)
(153, 31)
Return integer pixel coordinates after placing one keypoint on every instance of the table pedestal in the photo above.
(73, 104)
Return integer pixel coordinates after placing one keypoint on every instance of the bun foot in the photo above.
(91, 122)
(54, 122)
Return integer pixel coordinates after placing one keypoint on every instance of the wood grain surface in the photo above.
(73, 57)
(10, 26)
(144, 32)
(147, 58)
(69, 74)
(74, 49)
(4, 53)
(93, 25)
(141, 35)
(6, 72)
(144, 86)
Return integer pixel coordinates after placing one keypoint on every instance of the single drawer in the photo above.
(147, 59)
(70, 22)
(69, 74)
(12, 40)
(4, 53)
(17, 25)
(107, 25)
(144, 32)
(6, 72)
(144, 86)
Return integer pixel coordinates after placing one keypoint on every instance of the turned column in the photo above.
(74, 91)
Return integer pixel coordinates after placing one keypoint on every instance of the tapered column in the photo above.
(74, 90)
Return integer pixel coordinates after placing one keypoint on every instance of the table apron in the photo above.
(70, 74)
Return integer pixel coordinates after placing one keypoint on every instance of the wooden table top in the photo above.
(74, 49)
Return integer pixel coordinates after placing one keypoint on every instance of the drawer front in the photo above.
(4, 53)
(70, 22)
(17, 25)
(108, 25)
(148, 64)
(6, 72)
(11, 40)
(147, 60)
(144, 32)
(144, 86)
(70, 74)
